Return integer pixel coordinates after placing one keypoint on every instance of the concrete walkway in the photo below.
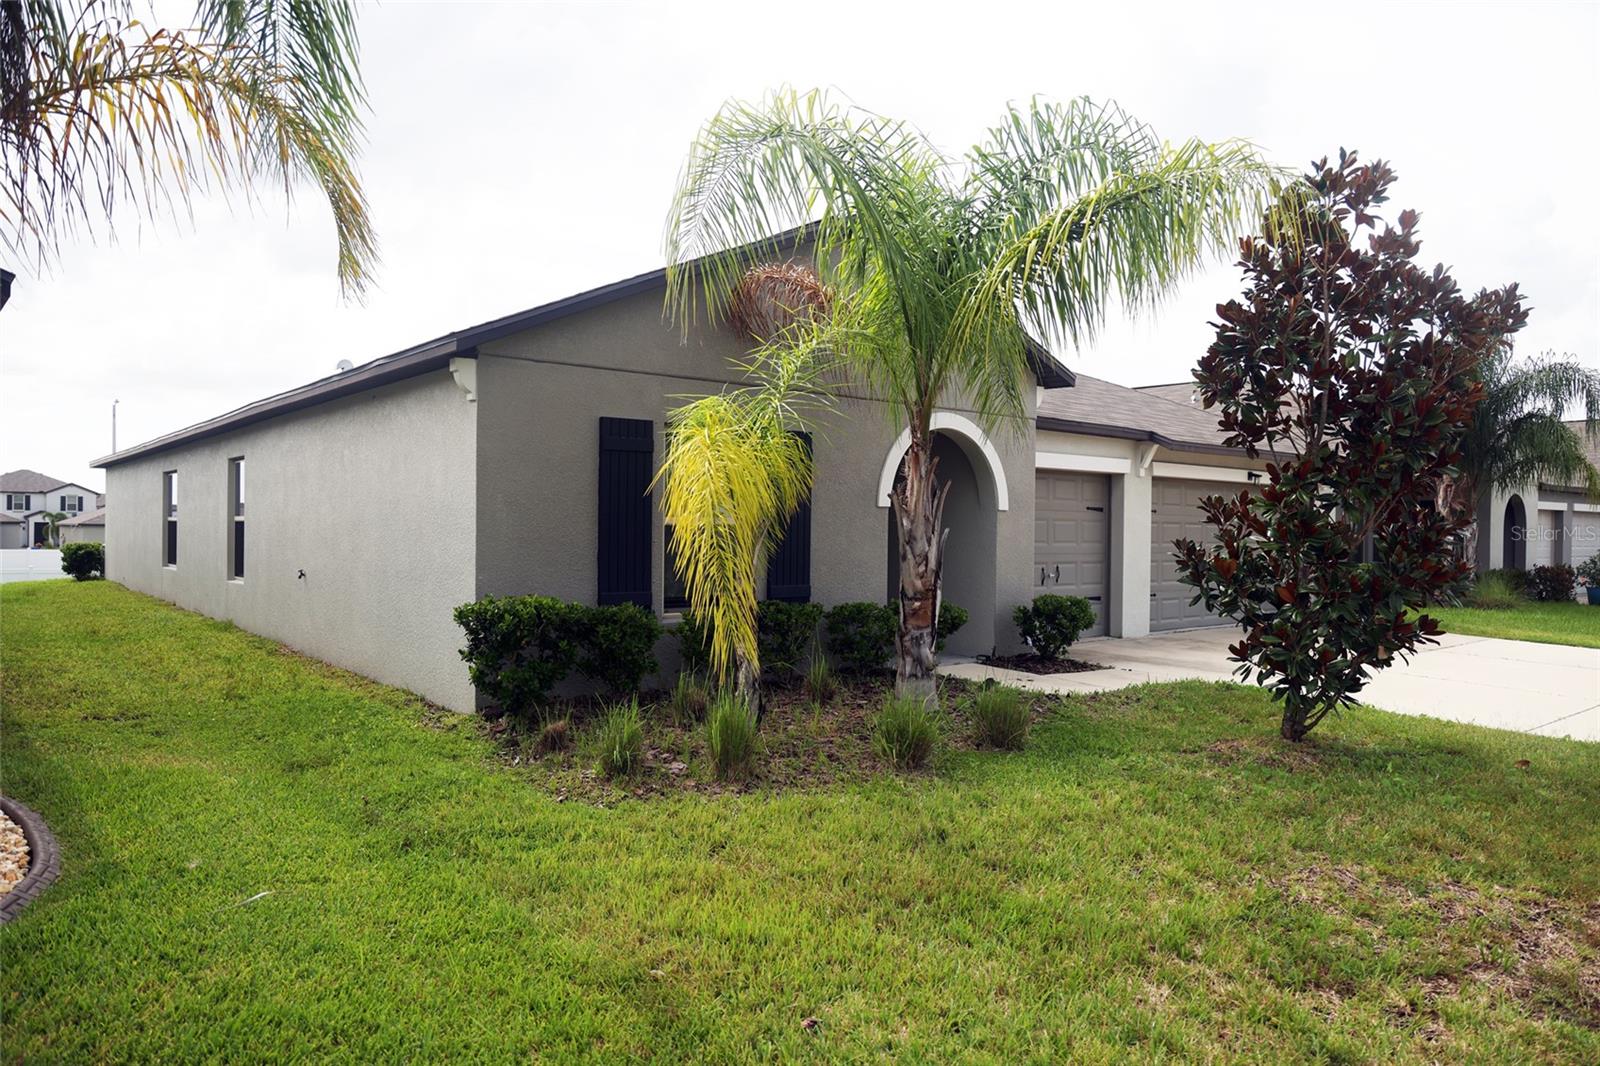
(1549, 689)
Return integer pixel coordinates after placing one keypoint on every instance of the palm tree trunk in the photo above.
(918, 504)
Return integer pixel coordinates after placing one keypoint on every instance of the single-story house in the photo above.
(516, 456)
(1540, 524)
(85, 528)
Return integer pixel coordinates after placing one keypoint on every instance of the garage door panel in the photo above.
(1071, 539)
(1176, 515)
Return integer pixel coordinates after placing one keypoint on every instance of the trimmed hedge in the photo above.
(1051, 623)
(861, 635)
(785, 632)
(85, 561)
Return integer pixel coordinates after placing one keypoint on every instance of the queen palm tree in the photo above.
(1517, 436)
(100, 110)
(941, 266)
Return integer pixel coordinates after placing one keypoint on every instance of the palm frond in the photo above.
(1518, 436)
(118, 113)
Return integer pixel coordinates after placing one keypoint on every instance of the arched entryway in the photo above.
(1514, 535)
(971, 466)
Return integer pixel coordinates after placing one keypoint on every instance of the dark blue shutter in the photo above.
(622, 557)
(789, 569)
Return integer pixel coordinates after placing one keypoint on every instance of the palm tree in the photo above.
(735, 472)
(941, 266)
(98, 109)
(54, 519)
(1517, 436)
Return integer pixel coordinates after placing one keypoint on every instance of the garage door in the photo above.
(1585, 535)
(1176, 513)
(1071, 543)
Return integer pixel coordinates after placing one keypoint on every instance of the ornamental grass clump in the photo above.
(690, 698)
(1494, 591)
(621, 739)
(1000, 718)
(905, 732)
(822, 685)
(731, 735)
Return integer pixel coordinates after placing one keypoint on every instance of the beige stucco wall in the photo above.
(81, 534)
(363, 494)
(543, 391)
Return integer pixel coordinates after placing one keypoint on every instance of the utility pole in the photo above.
(114, 426)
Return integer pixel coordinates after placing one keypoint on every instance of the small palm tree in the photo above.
(98, 109)
(940, 266)
(54, 520)
(1517, 436)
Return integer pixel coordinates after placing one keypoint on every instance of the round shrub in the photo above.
(784, 632)
(951, 618)
(85, 561)
(619, 644)
(861, 635)
(520, 647)
(1551, 584)
(1051, 623)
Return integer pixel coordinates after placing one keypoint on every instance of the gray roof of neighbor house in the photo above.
(9, 519)
(1103, 409)
(92, 518)
(437, 353)
(29, 481)
(1178, 392)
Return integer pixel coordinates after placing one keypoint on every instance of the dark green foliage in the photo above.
(1000, 717)
(85, 562)
(1358, 369)
(520, 647)
(861, 635)
(1588, 571)
(694, 644)
(1052, 622)
(621, 739)
(619, 644)
(785, 631)
(951, 618)
(731, 735)
(905, 732)
(1552, 584)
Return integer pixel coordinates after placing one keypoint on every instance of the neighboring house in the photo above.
(29, 496)
(516, 457)
(12, 532)
(84, 528)
(1540, 524)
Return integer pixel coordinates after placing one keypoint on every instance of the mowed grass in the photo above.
(1547, 623)
(265, 858)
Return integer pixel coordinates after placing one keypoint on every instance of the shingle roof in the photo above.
(9, 519)
(92, 518)
(28, 481)
(1178, 392)
(1101, 408)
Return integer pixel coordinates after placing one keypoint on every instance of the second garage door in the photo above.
(1176, 513)
(1071, 546)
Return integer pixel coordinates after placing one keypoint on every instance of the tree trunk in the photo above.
(918, 504)
(747, 685)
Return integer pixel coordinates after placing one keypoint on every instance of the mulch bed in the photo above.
(1038, 664)
(799, 745)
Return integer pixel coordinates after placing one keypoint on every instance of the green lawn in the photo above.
(1547, 623)
(264, 858)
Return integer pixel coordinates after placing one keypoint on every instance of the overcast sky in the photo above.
(523, 152)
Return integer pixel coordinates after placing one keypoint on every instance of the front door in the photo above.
(41, 533)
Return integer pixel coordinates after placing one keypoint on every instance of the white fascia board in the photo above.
(1196, 472)
(1088, 464)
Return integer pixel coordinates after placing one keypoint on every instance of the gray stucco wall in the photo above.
(81, 534)
(364, 494)
(542, 392)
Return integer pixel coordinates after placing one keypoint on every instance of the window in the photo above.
(71, 504)
(236, 518)
(169, 510)
(17, 502)
(675, 594)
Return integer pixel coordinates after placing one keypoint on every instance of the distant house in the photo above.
(28, 497)
(87, 528)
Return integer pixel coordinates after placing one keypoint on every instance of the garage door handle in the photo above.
(1042, 575)
(1058, 573)
(1102, 510)
(1093, 599)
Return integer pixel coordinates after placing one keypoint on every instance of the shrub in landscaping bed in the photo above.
(861, 635)
(619, 646)
(1052, 622)
(821, 684)
(621, 739)
(1000, 717)
(905, 732)
(85, 561)
(1551, 584)
(730, 735)
(694, 644)
(690, 698)
(520, 647)
(951, 618)
(1495, 591)
(1515, 580)
(784, 632)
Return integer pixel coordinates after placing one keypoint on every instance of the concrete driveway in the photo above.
(1548, 689)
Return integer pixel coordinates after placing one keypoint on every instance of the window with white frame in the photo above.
(71, 504)
(236, 518)
(169, 510)
(17, 501)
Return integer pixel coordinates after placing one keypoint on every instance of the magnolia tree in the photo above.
(1355, 369)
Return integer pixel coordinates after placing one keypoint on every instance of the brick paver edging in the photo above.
(44, 859)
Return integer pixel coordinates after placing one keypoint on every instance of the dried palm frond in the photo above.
(774, 297)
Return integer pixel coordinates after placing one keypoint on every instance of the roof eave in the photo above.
(1098, 429)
